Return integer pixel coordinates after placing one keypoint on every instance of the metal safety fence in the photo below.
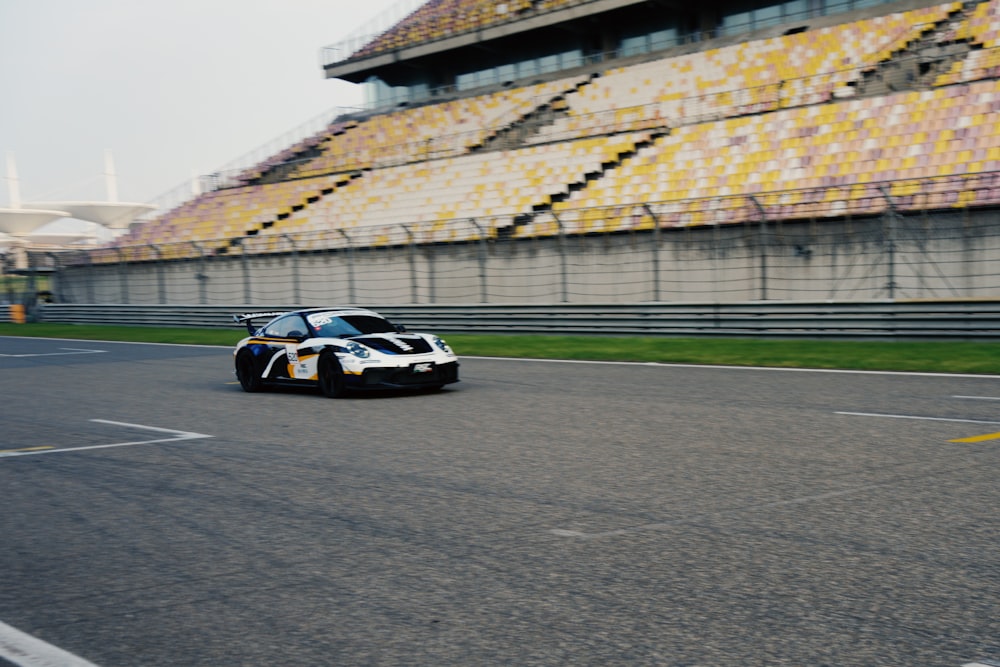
(907, 240)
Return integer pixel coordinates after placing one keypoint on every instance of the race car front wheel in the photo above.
(330, 375)
(246, 374)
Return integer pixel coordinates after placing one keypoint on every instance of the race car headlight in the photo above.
(441, 345)
(358, 350)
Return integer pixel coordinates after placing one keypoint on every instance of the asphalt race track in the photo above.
(536, 513)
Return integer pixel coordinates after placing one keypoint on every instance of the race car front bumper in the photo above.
(420, 374)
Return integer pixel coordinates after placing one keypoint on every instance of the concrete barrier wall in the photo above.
(944, 255)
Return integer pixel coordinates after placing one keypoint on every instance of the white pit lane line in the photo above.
(175, 436)
(65, 351)
(916, 417)
(24, 650)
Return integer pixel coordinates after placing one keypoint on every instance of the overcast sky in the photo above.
(171, 87)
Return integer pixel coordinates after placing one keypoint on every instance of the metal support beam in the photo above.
(890, 242)
(763, 246)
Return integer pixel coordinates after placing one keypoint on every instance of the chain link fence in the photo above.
(921, 244)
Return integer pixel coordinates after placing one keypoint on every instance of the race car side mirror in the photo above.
(400, 328)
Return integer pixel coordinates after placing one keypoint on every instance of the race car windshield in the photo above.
(349, 325)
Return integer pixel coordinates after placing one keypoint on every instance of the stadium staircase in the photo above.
(517, 132)
(513, 134)
(341, 181)
(917, 63)
(606, 167)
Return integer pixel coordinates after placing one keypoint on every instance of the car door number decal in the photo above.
(293, 354)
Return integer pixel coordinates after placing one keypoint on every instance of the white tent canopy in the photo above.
(22, 221)
(113, 215)
(57, 238)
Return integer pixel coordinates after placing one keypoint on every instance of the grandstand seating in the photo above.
(445, 189)
(425, 132)
(784, 120)
(752, 77)
(229, 213)
(904, 137)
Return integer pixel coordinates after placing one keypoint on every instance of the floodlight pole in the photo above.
(13, 191)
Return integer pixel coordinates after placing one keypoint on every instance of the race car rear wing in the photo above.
(248, 318)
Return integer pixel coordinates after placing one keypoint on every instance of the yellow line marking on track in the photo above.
(978, 438)
(27, 449)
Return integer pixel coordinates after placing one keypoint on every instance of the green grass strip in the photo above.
(936, 356)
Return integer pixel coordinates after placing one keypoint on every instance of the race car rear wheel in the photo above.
(246, 373)
(330, 375)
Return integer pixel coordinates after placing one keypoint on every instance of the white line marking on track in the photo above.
(24, 650)
(177, 436)
(69, 350)
(741, 368)
(932, 419)
(585, 361)
(119, 342)
(979, 398)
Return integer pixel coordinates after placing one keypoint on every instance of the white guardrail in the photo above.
(958, 318)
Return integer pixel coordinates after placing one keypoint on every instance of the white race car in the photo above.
(339, 349)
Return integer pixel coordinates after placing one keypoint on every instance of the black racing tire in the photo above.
(246, 372)
(330, 375)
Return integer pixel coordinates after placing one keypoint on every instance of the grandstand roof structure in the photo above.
(22, 221)
(23, 218)
(446, 47)
(479, 32)
(113, 215)
(427, 36)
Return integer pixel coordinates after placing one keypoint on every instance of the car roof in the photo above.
(340, 310)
